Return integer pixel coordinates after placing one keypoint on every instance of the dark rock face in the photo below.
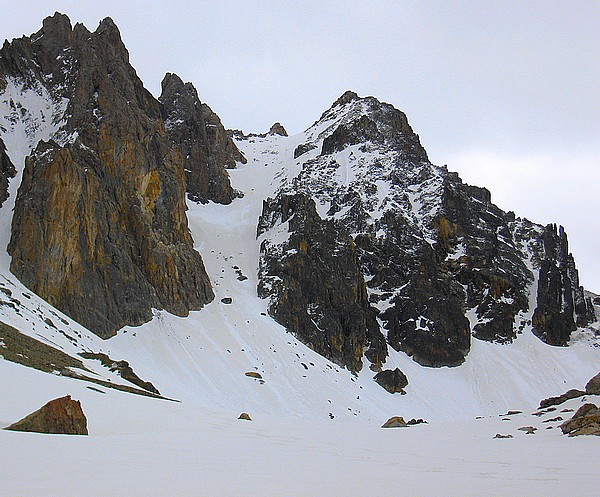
(561, 303)
(394, 381)
(99, 228)
(430, 248)
(7, 171)
(491, 264)
(586, 421)
(59, 416)
(197, 133)
(321, 294)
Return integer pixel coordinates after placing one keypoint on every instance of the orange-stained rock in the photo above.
(59, 416)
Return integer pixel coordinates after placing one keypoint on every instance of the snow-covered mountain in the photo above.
(137, 229)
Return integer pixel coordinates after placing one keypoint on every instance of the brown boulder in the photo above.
(586, 421)
(593, 386)
(395, 422)
(59, 416)
(245, 416)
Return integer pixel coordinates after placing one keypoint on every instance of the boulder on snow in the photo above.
(254, 374)
(529, 430)
(592, 387)
(395, 422)
(500, 435)
(393, 381)
(555, 401)
(59, 416)
(586, 421)
(245, 416)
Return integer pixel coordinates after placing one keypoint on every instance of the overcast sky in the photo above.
(507, 93)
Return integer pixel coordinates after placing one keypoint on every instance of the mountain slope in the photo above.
(365, 250)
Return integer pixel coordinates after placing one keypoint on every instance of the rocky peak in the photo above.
(354, 120)
(56, 31)
(346, 98)
(128, 249)
(198, 134)
(278, 129)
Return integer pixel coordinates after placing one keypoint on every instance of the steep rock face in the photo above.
(322, 294)
(196, 131)
(482, 248)
(99, 228)
(59, 416)
(561, 303)
(7, 171)
(440, 261)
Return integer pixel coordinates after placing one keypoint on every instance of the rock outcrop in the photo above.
(278, 129)
(561, 303)
(556, 401)
(322, 296)
(59, 416)
(7, 171)
(99, 228)
(123, 369)
(198, 135)
(592, 387)
(586, 421)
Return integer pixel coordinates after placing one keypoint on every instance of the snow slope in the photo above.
(141, 446)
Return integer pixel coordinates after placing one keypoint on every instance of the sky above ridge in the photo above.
(507, 93)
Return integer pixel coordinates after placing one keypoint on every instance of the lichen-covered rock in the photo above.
(197, 133)
(99, 228)
(59, 416)
(586, 421)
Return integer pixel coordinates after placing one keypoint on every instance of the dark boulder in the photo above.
(393, 381)
(555, 401)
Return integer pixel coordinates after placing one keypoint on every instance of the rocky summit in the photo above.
(99, 227)
(367, 244)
